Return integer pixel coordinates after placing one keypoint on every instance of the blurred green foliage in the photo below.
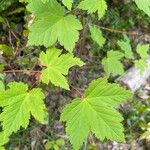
(137, 116)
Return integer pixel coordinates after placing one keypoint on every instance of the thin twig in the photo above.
(19, 71)
(38, 71)
(83, 36)
(77, 89)
(105, 28)
(119, 31)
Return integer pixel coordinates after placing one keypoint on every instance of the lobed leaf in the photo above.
(52, 25)
(142, 50)
(93, 6)
(18, 103)
(96, 35)
(126, 47)
(112, 63)
(57, 66)
(95, 113)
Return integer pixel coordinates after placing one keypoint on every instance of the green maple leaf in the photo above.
(68, 3)
(57, 67)
(52, 25)
(18, 103)
(96, 35)
(94, 5)
(126, 47)
(143, 5)
(95, 113)
(142, 50)
(112, 63)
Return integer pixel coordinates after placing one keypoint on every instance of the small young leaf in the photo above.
(51, 24)
(94, 5)
(18, 104)
(57, 67)
(142, 50)
(96, 35)
(112, 63)
(126, 47)
(95, 113)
